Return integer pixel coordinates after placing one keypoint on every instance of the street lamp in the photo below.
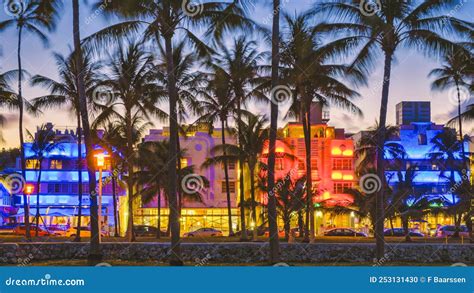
(28, 189)
(100, 162)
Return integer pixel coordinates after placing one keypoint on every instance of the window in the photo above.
(342, 164)
(231, 165)
(341, 187)
(231, 187)
(279, 165)
(184, 162)
(64, 188)
(74, 188)
(422, 140)
(31, 164)
(57, 188)
(56, 165)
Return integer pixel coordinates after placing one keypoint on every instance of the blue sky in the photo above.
(409, 74)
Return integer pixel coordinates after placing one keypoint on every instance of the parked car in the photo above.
(147, 231)
(449, 230)
(281, 233)
(344, 232)
(85, 232)
(21, 230)
(57, 231)
(204, 232)
(400, 232)
(7, 228)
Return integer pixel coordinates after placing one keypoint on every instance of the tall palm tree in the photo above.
(308, 70)
(275, 82)
(136, 94)
(65, 93)
(43, 142)
(390, 26)
(241, 63)
(447, 152)
(253, 139)
(216, 104)
(7, 95)
(94, 252)
(113, 140)
(456, 72)
(34, 17)
(162, 19)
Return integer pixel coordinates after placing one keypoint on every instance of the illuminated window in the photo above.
(336, 152)
(279, 165)
(32, 164)
(184, 162)
(231, 165)
(231, 187)
(56, 165)
(422, 140)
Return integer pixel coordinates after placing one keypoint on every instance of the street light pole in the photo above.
(100, 164)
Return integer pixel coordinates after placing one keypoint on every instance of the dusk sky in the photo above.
(409, 74)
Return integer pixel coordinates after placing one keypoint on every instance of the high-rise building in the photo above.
(409, 111)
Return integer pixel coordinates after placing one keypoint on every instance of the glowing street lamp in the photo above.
(29, 189)
(100, 162)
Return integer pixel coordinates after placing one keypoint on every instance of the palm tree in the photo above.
(389, 26)
(34, 17)
(94, 253)
(290, 199)
(366, 148)
(307, 68)
(44, 142)
(217, 106)
(253, 138)
(162, 19)
(456, 72)
(447, 152)
(241, 64)
(275, 82)
(136, 93)
(65, 93)
(152, 160)
(114, 142)
(7, 95)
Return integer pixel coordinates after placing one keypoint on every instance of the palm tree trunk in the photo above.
(405, 229)
(26, 207)
(243, 228)
(114, 198)
(38, 183)
(158, 234)
(309, 182)
(180, 195)
(130, 235)
(226, 175)
(173, 144)
(79, 176)
(272, 212)
(465, 164)
(380, 197)
(95, 253)
(252, 197)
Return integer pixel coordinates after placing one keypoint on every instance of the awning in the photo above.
(60, 212)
